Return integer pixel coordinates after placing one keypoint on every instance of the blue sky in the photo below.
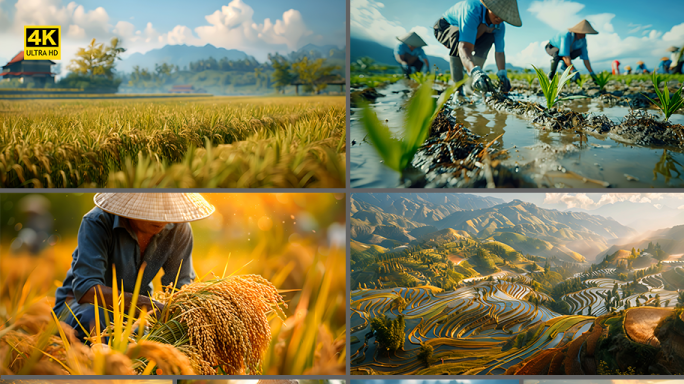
(629, 29)
(257, 27)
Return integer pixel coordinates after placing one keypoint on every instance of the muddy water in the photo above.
(543, 155)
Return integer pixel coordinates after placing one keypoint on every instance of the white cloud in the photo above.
(638, 27)
(680, 207)
(604, 47)
(558, 14)
(368, 23)
(585, 201)
(534, 53)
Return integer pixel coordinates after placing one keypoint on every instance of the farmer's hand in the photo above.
(481, 81)
(503, 78)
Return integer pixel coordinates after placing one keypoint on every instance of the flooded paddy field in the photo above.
(613, 139)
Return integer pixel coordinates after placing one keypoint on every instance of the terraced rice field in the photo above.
(490, 326)
(467, 327)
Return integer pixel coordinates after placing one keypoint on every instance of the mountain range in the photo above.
(183, 55)
(180, 55)
(402, 218)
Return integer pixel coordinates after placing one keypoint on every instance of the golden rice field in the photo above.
(227, 142)
(269, 299)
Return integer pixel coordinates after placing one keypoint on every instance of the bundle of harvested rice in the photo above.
(225, 321)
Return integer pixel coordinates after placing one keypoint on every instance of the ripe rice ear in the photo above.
(226, 321)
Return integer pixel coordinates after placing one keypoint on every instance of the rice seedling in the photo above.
(87, 143)
(582, 80)
(422, 77)
(668, 105)
(552, 88)
(420, 112)
(601, 79)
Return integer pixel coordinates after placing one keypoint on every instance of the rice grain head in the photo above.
(227, 321)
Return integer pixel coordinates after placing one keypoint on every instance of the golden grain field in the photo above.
(231, 142)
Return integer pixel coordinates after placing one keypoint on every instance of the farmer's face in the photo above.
(411, 47)
(580, 35)
(147, 227)
(493, 18)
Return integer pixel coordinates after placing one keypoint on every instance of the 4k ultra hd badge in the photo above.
(42, 42)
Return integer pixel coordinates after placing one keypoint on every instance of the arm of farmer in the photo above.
(423, 56)
(90, 264)
(585, 57)
(502, 73)
(180, 263)
(481, 81)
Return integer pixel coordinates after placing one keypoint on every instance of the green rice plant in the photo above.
(601, 79)
(628, 80)
(668, 105)
(84, 143)
(422, 77)
(552, 88)
(582, 80)
(421, 111)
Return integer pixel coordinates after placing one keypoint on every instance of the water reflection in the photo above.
(666, 167)
(545, 152)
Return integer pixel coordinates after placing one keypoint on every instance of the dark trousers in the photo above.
(448, 35)
(678, 68)
(415, 64)
(555, 59)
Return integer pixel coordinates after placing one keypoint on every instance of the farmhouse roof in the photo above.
(24, 73)
(19, 57)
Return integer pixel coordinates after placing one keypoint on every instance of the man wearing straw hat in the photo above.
(664, 66)
(473, 26)
(410, 55)
(126, 232)
(567, 46)
(677, 58)
(641, 67)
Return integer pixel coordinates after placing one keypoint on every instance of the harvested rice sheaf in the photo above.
(225, 321)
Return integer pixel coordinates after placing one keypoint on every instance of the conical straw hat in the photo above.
(505, 9)
(412, 39)
(583, 27)
(673, 49)
(640, 62)
(664, 58)
(161, 207)
(628, 67)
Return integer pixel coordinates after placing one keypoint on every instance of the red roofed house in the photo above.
(35, 71)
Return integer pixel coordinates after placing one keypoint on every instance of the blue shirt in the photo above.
(566, 43)
(105, 239)
(664, 66)
(467, 16)
(403, 49)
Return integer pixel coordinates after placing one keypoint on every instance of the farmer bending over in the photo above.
(127, 230)
(676, 59)
(641, 67)
(473, 26)
(410, 55)
(567, 46)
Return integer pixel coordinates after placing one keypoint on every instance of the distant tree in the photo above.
(425, 353)
(97, 59)
(680, 299)
(389, 333)
(399, 303)
(311, 72)
(282, 72)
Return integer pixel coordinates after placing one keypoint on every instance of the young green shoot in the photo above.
(422, 109)
(552, 88)
(668, 104)
(602, 79)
